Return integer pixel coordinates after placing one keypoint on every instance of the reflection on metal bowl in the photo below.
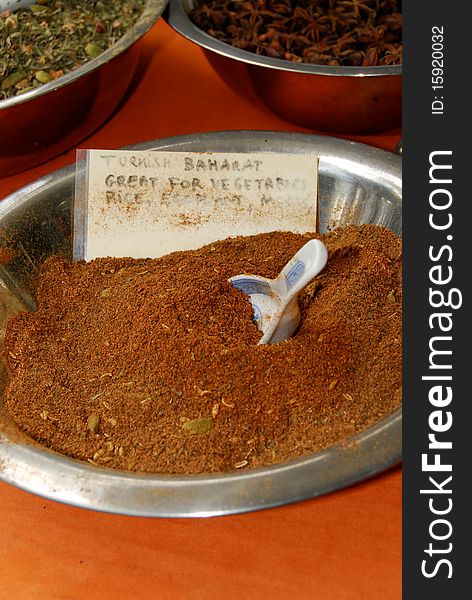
(42, 123)
(357, 184)
(319, 97)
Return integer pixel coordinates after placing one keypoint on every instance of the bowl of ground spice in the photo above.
(125, 387)
(64, 67)
(328, 65)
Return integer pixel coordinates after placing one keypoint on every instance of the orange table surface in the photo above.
(342, 546)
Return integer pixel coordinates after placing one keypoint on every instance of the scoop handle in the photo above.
(301, 269)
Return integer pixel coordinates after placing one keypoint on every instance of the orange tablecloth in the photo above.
(343, 546)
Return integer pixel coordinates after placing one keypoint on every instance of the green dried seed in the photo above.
(93, 423)
(391, 297)
(40, 10)
(105, 293)
(93, 50)
(26, 89)
(36, 8)
(12, 79)
(43, 77)
(198, 426)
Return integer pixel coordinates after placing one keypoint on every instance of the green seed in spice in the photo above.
(23, 90)
(93, 50)
(43, 77)
(93, 423)
(12, 79)
(391, 297)
(197, 426)
(39, 10)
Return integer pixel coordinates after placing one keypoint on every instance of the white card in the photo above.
(150, 203)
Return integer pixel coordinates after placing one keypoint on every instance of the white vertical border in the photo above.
(80, 205)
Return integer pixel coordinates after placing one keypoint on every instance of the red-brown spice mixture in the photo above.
(153, 365)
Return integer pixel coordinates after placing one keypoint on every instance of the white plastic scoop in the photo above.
(275, 301)
(14, 4)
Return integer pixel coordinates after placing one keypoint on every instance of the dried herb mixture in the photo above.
(326, 32)
(153, 365)
(52, 37)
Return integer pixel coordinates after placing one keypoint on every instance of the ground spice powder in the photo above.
(153, 365)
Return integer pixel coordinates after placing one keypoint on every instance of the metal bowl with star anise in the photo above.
(320, 79)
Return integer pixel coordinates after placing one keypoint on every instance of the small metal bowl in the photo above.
(42, 123)
(357, 184)
(318, 97)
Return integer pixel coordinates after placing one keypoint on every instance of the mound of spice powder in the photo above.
(153, 365)
(325, 32)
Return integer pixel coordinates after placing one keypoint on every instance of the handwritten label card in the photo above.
(150, 203)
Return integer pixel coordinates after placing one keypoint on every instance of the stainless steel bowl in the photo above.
(48, 120)
(318, 97)
(358, 184)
